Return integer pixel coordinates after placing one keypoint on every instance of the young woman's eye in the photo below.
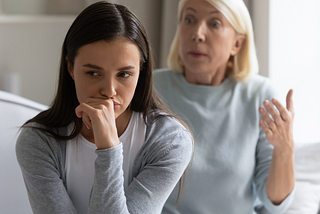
(92, 73)
(124, 75)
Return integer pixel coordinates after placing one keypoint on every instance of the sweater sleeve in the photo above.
(264, 152)
(163, 160)
(37, 156)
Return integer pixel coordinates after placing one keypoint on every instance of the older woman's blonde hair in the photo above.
(245, 62)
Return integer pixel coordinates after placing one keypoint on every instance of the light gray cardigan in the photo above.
(156, 170)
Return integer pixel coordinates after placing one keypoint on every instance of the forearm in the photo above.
(107, 193)
(280, 181)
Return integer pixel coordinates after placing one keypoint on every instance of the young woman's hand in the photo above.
(279, 128)
(98, 114)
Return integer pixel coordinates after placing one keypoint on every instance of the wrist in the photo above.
(107, 144)
(283, 154)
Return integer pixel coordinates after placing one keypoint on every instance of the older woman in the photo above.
(240, 152)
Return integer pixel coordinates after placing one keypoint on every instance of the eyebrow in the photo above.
(190, 8)
(126, 68)
(93, 66)
(100, 68)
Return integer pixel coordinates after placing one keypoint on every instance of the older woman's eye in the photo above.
(189, 20)
(215, 24)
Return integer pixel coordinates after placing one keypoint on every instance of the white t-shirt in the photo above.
(80, 158)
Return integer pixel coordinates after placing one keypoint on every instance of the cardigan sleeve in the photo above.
(264, 152)
(38, 157)
(164, 157)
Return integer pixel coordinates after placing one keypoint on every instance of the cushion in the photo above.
(15, 111)
(307, 173)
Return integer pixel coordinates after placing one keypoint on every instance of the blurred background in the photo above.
(287, 36)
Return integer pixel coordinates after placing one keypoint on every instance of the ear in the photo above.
(238, 43)
(70, 68)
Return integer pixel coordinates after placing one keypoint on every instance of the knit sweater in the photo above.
(157, 168)
(232, 156)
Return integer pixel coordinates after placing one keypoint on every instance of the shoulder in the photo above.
(164, 132)
(166, 82)
(259, 87)
(162, 72)
(32, 140)
(163, 75)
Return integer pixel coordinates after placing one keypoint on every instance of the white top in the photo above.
(80, 158)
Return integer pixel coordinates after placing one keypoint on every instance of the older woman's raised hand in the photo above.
(279, 127)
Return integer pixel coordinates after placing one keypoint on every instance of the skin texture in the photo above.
(206, 42)
(279, 133)
(105, 75)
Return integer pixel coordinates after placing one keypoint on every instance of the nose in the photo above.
(199, 33)
(108, 88)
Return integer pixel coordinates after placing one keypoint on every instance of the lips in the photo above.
(116, 105)
(197, 54)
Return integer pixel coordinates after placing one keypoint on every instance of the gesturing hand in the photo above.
(98, 114)
(278, 129)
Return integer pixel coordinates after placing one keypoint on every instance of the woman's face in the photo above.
(107, 70)
(206, 38)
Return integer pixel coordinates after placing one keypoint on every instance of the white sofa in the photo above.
(14, 111)
(307, 174)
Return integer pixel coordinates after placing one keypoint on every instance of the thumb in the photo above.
(78, 112)
(289, 101)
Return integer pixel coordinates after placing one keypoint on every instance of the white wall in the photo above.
(294, 61)
(288, 40)
(30, 48)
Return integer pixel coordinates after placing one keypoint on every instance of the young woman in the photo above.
(106, 144)
(240, 152)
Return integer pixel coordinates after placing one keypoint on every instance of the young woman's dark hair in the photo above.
(100, 21)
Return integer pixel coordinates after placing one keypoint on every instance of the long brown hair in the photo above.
(100, 21)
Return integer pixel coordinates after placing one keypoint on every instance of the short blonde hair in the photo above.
(245, 62)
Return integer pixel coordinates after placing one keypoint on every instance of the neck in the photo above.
(122, 122)
(214, 77)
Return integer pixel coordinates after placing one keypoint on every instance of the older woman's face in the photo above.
(206, 38)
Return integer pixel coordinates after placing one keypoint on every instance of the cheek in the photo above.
(128, 91)
(82, 90)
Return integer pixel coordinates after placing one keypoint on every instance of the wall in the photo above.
(30, 49)
(30, 46)
(294, 41)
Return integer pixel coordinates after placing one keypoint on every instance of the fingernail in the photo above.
(261, 109)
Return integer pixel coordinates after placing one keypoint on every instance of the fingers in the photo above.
(289, 101)
(282, 110)
(82, 112)
(86, 120)
(96, 102)
(93, 109)
(270, 108)
(266, 118)
(265, 129)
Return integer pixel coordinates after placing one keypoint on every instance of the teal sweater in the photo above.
(156, 170)
(232, 156)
